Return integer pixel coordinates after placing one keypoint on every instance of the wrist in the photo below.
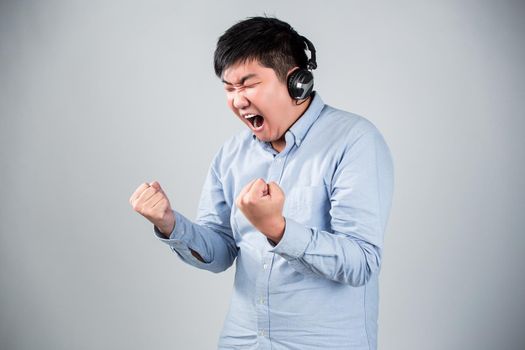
(167, 227)
(276, 230)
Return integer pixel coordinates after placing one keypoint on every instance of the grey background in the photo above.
(97, 97)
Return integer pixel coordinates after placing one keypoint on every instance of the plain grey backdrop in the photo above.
(97, 97)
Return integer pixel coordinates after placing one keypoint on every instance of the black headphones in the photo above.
(301, 81)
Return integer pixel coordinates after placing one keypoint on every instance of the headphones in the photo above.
(301, 81)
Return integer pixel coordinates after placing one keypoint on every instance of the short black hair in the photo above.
(272, 42)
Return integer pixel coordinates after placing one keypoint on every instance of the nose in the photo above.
(240, 101)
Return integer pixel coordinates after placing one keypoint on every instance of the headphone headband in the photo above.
(312, 63)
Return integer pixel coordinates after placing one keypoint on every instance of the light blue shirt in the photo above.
(318, 287)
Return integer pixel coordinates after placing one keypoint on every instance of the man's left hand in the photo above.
(262, 204)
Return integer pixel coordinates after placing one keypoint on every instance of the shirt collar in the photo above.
(301, 126)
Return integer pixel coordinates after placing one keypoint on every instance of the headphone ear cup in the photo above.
(300, 84)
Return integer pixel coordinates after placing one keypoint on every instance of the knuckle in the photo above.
(146, 212)
(244, 201)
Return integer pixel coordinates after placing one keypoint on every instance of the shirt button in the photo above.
(261, 300)
(265, 266)
(261, 333)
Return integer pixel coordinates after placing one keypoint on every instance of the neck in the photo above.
(280, 144)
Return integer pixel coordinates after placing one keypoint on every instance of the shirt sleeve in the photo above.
(360, 201)
(210, 235)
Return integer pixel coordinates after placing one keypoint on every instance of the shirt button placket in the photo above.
(262, 283)
(261, 301)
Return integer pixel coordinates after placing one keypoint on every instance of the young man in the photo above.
(301, 200)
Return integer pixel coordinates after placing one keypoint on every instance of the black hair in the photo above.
(272, 42)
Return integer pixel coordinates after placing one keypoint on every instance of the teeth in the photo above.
(256, 123)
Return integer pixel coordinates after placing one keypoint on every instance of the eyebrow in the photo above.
(243, 79)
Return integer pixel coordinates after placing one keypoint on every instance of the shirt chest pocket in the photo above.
(309, 205)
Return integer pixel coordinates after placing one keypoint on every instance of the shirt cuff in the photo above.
(179, 238)
(295, 240)
(176, 235)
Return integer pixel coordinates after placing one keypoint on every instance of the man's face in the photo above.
(260, 100)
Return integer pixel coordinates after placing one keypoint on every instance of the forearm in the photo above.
(336, 256)
(206, 247)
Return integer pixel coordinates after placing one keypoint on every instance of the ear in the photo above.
(290, 71)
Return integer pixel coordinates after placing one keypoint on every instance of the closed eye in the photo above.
(231, 88)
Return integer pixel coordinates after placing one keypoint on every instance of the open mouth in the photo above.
(256, 120)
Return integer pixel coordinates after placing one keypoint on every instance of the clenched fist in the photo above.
(150, 201)
(262, 204)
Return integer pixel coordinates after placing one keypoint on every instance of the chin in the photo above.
(263, 139)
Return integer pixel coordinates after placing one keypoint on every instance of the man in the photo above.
(301, 200)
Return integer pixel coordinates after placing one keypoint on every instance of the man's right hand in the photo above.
(150, 201)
